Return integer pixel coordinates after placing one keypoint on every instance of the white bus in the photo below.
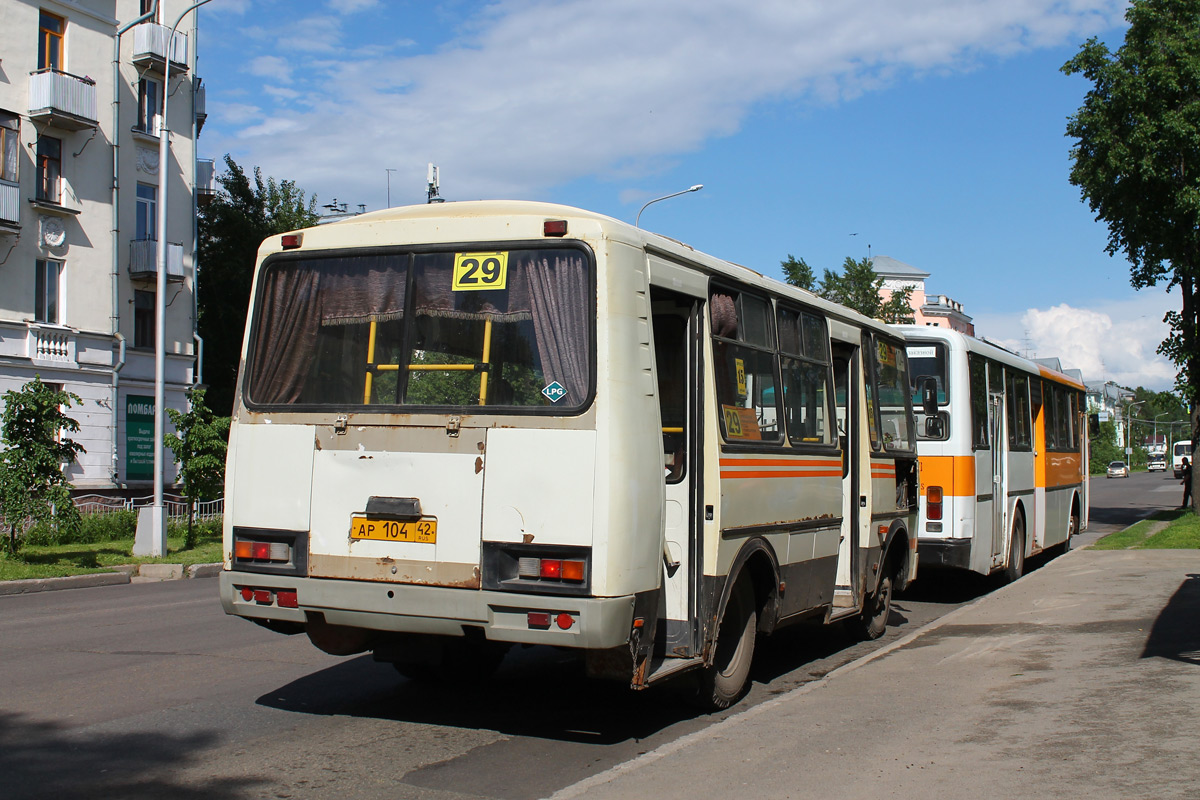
(1003, 448)
(1181, 450)
(467, 425)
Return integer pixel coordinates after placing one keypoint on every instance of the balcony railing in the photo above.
(62, 100)
(150, 47)
(206, 182)
(51, 345)
(143, 259)
(10, 205)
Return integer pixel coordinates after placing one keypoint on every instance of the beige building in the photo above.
(81, 101)
(936, 310)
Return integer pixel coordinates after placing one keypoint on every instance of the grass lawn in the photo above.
(1182, 533)
(53, 561)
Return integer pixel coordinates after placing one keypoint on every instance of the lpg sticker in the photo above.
(555, 392)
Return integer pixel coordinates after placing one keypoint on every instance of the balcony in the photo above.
(206, 182)
(50, 345)
(10, 207)
(200, 101)
(143, 260)
(150, 47)
(62, 100)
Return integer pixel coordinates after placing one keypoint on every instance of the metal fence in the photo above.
(176, 505)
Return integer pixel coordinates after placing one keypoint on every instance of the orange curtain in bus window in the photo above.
(741, 423)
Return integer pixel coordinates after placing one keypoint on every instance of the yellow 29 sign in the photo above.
(475, 272)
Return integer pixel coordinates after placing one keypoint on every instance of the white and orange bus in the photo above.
(1003, 448)
(467, 425)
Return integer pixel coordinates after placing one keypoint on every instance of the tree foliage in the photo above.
(232, 226)
(857, 287)
(32, 483)
(1136, 160)
(198, 446)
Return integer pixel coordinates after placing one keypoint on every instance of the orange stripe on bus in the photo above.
(827, 474)
(777, 462)
(955, 474)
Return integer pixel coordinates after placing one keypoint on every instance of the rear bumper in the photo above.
(599, 622)
(952, 553)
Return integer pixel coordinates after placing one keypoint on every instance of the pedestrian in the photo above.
(1187, 484)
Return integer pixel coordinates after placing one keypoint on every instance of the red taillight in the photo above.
(260, 550)
(247, 593)
(287, 598)
(290, 241)
(539, 619)
(564, 621)
(554, 227)
(933, 503)
(262, 597)
(552, 568)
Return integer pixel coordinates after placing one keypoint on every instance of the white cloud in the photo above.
(538, 93)
(1114, 341)
(271, 67)
(350, 6)
(238, 113)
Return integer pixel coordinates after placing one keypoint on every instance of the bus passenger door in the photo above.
(677, 342)
(999, 470)
(849, 426)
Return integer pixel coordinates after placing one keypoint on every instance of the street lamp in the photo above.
(153, 540)
(695, 188)
(1129, 424)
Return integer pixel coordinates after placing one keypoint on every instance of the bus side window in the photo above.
(743, 349)
(979, 402)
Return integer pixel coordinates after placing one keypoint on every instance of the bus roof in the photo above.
(975, 345)
(522, 220)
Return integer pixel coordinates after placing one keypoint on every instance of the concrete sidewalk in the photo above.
(128, 573)
(1080, 680)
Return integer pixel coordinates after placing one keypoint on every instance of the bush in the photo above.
(104, 526)
(202, 529)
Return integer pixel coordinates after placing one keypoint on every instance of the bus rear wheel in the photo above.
(724, 681)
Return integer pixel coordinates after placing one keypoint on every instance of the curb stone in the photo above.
(122, 574)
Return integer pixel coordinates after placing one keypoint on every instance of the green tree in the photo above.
(797, 272)
(232, 226)
(1136, 161)
(857, 287)
(198, 446)
(32, 484)
(1104, 448)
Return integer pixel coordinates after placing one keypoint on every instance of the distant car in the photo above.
(1157, 464)
(1118, 469)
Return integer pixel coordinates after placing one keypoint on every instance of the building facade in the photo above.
(934, 310)
(82, 91)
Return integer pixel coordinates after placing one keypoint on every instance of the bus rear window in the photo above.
(507, 329)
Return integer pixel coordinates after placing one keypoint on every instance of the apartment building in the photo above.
(935, 310)
(82, 90)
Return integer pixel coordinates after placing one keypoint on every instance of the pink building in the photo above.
(936, 310)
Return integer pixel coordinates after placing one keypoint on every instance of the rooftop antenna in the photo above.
(432, 185)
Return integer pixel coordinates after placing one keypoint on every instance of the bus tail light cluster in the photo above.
(284, 598)
(542, 620)
(262, 551)
(555, 569)
(268, 550)
(933, 509)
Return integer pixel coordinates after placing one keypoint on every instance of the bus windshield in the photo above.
(927, 361)
(495, 329)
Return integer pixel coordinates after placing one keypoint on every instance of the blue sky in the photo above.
(927, 130)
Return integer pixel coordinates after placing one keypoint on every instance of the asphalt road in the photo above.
(149, 690)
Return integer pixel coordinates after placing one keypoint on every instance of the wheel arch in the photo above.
(759, 563)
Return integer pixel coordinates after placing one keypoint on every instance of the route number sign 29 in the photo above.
(475, 272)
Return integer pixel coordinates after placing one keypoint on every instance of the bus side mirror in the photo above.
(929, 396)
(1093, 426)
(934, 428)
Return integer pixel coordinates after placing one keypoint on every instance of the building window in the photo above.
(49, 166)
(146, 221)
(47, 285)
(10, 148)
(147, 6)
(50, 41)
(149, 118)
(143, 318)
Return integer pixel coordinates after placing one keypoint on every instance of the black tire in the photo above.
(872, 623)
(461, 661)
(1016, 550)
(725, 681)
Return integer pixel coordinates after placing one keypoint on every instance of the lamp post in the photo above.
(695, 188)
(1129, 424)
(1156, 416)
(151, 537)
